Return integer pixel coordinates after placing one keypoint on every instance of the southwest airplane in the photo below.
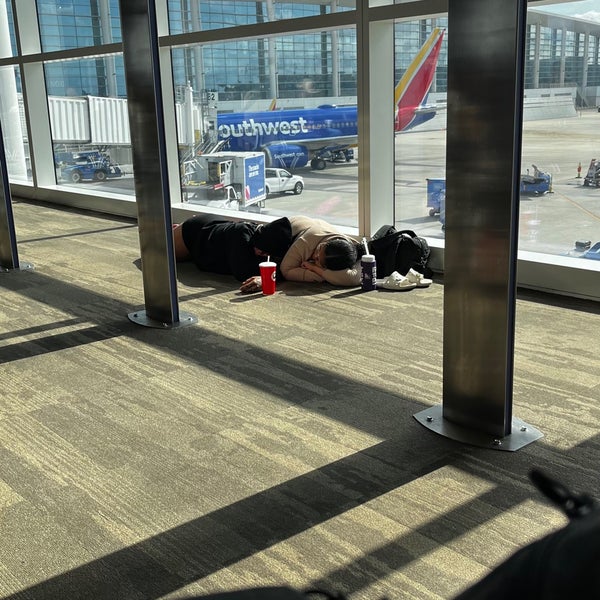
(292, 138)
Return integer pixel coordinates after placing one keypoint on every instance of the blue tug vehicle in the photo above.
(536, 184)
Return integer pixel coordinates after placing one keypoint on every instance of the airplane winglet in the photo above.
(414, 85)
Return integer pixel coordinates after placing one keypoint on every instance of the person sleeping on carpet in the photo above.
(305, 249)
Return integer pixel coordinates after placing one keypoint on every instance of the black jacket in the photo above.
(228, 247)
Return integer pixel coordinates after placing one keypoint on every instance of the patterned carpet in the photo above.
(272, 443)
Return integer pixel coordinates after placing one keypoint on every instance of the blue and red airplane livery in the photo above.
(293, 138)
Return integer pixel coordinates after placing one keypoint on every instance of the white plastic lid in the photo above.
(266, 263)
(368, 258)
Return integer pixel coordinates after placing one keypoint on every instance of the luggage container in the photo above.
(436, 188)
(228, 179)
(443, 209)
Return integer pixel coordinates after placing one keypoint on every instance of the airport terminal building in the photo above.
(560, 52)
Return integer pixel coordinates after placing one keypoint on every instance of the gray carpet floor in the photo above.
(271, 443)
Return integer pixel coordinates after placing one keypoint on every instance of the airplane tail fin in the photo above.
(413, 87)
(273, 105)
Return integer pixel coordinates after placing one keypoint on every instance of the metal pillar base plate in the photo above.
(141, 318)
(23, 266)
(521, 433)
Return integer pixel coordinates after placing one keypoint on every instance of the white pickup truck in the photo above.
(278, 181)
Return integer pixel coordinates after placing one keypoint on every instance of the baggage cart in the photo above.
(436, 188)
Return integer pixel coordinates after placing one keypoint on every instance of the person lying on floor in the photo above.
(228, 247)
(304, 249)
(318, 253)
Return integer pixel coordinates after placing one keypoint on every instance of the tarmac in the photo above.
(549, 223)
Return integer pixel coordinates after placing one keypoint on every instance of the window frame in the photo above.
(374, 26)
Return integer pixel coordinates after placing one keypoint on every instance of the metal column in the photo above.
(485, 92)
(146, 121)
(9, 256)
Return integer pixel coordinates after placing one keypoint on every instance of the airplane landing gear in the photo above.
(334, 155)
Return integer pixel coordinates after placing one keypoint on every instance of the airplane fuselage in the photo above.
(253, 131)
(292, 138)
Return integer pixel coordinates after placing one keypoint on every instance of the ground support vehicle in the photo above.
(436, 190)
(593, 253)
(92, 165)
(228, 179)
(332, 154)
(537, 184)
(593, 175)
(278, 181)
(443, 210)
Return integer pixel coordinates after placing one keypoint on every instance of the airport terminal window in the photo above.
(90, 130)
(238, 74)
(14, 129)
(559, 172)
(593, 65)
(86, 77)
(7, 30)
(294, 67)
(559, 117)
(285, 113)
(420, 145)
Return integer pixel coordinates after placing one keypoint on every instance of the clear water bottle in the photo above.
(368, 265)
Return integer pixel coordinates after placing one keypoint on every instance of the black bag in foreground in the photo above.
(399, 251)
(561, 566)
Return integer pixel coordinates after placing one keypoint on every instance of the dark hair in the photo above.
(341, 253)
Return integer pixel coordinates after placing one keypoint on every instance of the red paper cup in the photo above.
(268, 274)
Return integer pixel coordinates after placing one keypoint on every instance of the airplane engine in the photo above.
(286, 156)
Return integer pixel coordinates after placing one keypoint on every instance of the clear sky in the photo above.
(586, 9)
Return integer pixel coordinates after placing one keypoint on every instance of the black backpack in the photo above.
(564, 564)
(399, 251)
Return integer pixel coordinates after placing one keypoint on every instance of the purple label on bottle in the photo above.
(369, 276)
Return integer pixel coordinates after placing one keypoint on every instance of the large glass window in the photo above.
(560, 168)
(420, 161)
(11, 106)
(7, 30)
(90, 129)
(289, 98)
(280, 78)
(103, 76)
(558, 179)
(13, 125)
(78, 23)
(593, 61)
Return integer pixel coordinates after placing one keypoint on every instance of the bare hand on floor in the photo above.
(252, 284)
